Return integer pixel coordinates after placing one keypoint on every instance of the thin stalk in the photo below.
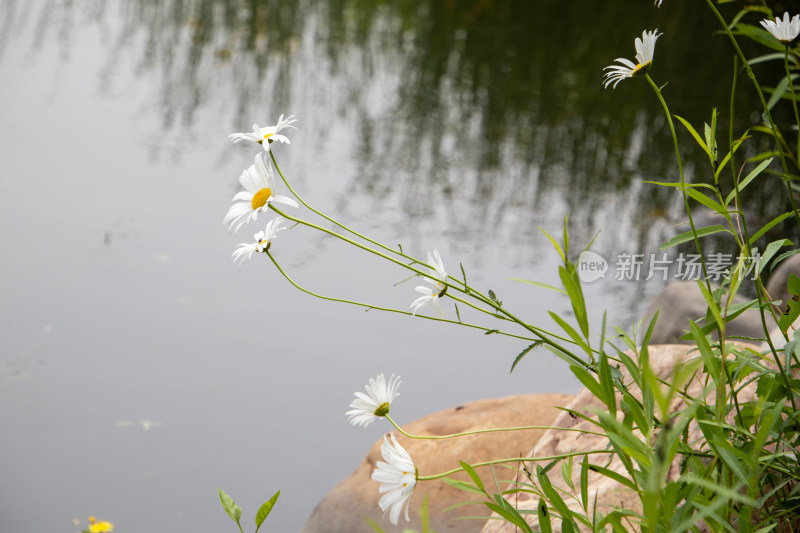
(525, 325)
(515, 460)
(767, 113)
(480, 431)
(387, 309)
(332, 220)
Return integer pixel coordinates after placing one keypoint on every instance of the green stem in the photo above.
(387, 309)
(515, 460)
(332, 220)
(479, 431)
(536, 331)
(767, 113)
(791, 83)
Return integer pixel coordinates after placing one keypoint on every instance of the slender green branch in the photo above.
(332, 220)
(767, 113)
(480, 431)
(525, 325)
(516, 460)
(387, 309)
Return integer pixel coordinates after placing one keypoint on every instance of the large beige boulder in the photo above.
(346, 507)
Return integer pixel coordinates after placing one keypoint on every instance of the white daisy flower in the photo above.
(263, 240)
(645, 48)
(269, 134)
(432, 295)
(397, 476)
(784, 30)
(258, 182)
(376, 402)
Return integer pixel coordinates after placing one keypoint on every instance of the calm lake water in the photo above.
(140, 369)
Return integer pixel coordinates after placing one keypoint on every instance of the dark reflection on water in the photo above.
(494, 104)
(463, 123)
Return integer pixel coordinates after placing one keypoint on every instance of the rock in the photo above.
(778, 284)
(681, 301)
(610, 494)
(344, 509)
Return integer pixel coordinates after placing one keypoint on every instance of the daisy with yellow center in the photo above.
(432, 295)
(645, 48)
(376, 402)
(267, 135)
(101, 526)
(258, 182)
(263, 240)
(397, 476)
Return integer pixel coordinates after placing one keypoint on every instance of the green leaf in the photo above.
(689, 235)
(585, 481)
(265, 509)
(555, 245)
(493, 297)
(544, 517)
(768, 226)
(750, 177)
(569, 280)
(792, 307)
(463, 485)
(538, 284)
(616, 476)
(233, 510)
(706, 201)
(552, 494)
(771, 250)
(694, 134)
(760, 36)
(523, 353)
(570, 331)
(473, 475)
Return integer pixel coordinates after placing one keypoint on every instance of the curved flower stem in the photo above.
(334, 221)
(680, 171)
(536, 331)
(388, 309)
(479, 431)
(771, 123)
(721, 328)
(469, 291)
(791, 84)
(778, 141)
(516, 460)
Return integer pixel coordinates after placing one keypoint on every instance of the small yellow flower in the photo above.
(99, 527)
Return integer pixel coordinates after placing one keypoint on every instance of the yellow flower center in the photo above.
(382, 410)
(440, 289)
(266, 138)
(641, 69)
(261, 197)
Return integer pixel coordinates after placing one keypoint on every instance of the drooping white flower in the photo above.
(262, 242)
(397, 476)
(432, 295)
(645, 48)
(784, 30)
(258, 182)
(657, 3)
(376, 402)
(267, 135)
